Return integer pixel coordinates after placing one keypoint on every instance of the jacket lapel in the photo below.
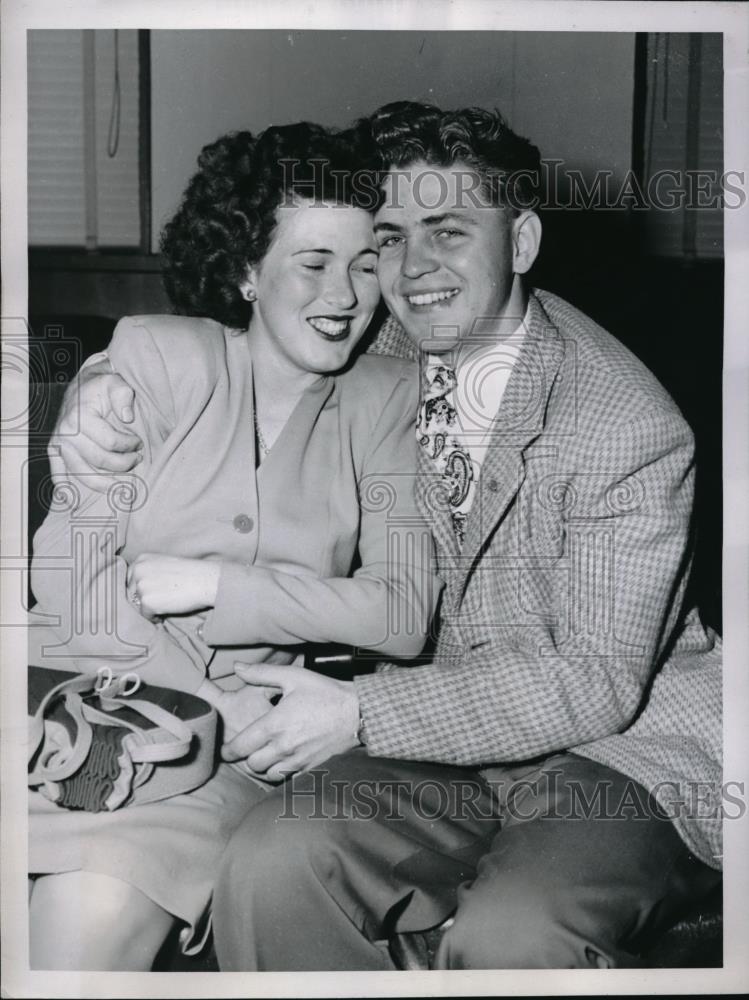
(518, 422)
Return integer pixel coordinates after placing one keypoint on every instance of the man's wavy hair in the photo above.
(227, 217)
(405, 132)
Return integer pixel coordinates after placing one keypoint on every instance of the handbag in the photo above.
(93, 746)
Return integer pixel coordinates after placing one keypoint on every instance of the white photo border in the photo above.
(548, 15)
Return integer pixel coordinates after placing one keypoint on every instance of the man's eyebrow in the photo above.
(429, 220)
(438, 220)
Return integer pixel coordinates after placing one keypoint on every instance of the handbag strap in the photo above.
(147, 752)
(63, 763)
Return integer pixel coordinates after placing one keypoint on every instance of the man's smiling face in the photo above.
(446, 253)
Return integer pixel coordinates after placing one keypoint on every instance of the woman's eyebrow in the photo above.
(330, 252)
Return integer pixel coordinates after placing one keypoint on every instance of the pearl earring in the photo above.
(250, 295)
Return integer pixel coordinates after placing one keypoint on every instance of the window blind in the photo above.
(684, 133)
(83, 138)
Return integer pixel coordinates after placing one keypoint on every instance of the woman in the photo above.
(272, 468)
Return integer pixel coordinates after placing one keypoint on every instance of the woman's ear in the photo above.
(526, 241)
(247, 288)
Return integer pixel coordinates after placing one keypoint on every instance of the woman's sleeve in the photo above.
(388, 603)
(77, 574)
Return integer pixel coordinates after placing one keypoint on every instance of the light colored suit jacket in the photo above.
(322, 543)
(562, 624)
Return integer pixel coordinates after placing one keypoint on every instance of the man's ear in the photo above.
(526, 241)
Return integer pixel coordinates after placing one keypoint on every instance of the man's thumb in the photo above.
(263, 674)
(121, 398)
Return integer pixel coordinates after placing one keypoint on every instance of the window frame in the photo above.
(132, 258)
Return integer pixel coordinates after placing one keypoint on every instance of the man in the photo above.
(545, 790)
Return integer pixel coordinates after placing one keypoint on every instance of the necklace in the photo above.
(260, 439)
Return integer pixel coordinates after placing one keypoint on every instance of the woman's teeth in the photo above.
(429, 298)
(330, 327)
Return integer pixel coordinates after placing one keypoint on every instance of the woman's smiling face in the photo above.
(317, 285)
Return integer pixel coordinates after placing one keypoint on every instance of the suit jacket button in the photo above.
(243, 524)
(493, 486)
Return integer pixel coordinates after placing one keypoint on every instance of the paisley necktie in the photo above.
(437, 430)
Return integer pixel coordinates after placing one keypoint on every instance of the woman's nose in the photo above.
(339, 291)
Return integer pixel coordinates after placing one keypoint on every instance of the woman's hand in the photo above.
(242, 707)
(171, 585)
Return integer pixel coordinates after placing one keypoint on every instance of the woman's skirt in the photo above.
(169, 850)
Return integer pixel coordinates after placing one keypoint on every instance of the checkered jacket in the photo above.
(562, 625)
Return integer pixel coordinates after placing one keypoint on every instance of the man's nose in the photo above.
(418, 259)
(339, 291)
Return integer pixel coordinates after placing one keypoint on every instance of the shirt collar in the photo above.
(469, 352)
(484, 347)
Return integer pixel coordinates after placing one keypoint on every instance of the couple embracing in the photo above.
(537, 534)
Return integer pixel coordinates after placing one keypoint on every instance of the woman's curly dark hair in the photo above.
(406, 131)
(228, 213)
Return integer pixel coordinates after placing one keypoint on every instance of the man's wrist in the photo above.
(353, 706)
(361, 730)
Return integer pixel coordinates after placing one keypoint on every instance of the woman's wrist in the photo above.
(211, 570)
(211, 693)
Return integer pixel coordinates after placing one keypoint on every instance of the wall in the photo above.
(570, 92)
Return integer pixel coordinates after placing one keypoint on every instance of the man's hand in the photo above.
(316, 718)
(171, 585)
(86, 438)
(269, 654)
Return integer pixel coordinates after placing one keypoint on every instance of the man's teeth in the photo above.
(429, 298)
(330, 327)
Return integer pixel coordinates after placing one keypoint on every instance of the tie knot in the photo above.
(440, 377)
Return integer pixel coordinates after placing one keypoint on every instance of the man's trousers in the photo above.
(559, 864)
